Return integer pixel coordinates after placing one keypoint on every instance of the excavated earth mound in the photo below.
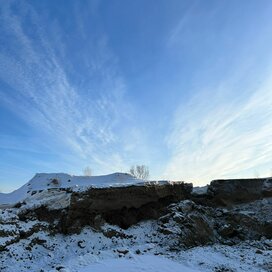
(228, 212)
(122, 206)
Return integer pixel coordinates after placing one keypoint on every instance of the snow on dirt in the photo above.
(139, 248)
(45, 182)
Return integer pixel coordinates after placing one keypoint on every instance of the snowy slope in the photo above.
(44, 181)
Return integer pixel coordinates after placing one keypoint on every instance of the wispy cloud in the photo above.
(224, 128)
(44, 95)
(216, 138)
(176, 33)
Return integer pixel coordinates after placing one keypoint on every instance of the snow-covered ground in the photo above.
(139, 248)
(136, 264)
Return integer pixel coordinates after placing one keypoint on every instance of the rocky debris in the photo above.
(110, 232)
(222, 268)
(20, 231)
(227, 231)
(192, 225)
(188, 224)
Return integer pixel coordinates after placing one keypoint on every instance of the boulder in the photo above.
(235, 191)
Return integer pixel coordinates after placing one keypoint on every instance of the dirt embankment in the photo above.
(126, 206)
(228, 212)
(234, 191)
(122, 206)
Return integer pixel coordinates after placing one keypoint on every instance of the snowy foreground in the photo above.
(28, 244)
(140, 248)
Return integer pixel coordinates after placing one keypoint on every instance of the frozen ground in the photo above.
(139, 263)
(31, 245)
(140, 248)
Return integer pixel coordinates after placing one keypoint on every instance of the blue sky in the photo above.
(184, 87)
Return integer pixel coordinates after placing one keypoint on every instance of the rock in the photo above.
(165, 231)
(267, 188)
(109, 233)
(186, 206)
(190, 223)
(197, 231)
(122, 251)
(234, 191)
(37, 241)
(178, 218)
(81, 244)
(166, 218)
(227, 231)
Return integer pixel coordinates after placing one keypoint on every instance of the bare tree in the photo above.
(139, 171)
(87, 171)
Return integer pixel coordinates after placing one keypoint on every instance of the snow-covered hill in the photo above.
(47, 181)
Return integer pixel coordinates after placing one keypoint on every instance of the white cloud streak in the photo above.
(176, 33)
(212, 138)
(42, 93)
